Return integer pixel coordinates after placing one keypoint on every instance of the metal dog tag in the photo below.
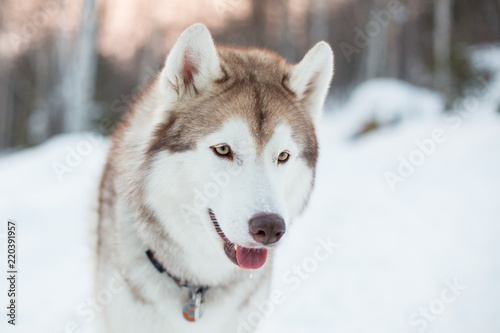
(192, 309)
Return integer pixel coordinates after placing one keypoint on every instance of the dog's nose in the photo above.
(267, 228)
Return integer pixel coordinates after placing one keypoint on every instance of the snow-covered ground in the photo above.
(399, 250)
(411, 213)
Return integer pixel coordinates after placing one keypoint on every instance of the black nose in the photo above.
(267, 228)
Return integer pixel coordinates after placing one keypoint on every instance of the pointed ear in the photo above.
(311, 78)
(192, 65)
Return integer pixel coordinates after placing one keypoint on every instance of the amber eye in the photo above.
(283, 157)
(222, 150)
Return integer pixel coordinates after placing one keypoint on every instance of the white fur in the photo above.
(180, 187)
(254, 184)
(236, 191)
(196, 46)
(311, 78)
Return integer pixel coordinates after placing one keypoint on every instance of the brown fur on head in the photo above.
(251, 100)
(254, 87)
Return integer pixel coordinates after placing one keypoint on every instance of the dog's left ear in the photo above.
(311, 78)
(191, 67)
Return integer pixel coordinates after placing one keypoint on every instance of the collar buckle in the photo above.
(192, 309)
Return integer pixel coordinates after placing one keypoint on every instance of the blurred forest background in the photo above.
(76, 65)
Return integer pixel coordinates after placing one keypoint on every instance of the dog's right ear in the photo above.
(191, 66)
(311, 78)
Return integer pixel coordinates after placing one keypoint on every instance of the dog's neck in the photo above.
(180, 282)
(187, 250)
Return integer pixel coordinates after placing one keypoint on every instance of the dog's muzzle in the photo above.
(266, 229)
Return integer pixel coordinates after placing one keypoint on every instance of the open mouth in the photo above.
(250, 258)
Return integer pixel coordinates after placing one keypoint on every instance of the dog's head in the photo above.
(236, 149)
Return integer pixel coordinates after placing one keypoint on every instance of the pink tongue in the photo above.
(251, 258)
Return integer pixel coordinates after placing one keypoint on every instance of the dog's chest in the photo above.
(162, 310)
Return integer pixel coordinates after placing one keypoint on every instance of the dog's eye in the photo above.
(222, 150)
(283, 157)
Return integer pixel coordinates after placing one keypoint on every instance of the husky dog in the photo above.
(204, 176)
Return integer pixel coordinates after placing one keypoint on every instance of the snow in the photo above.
(487, 58)
(54, 223)
(397, 249)
(387, 102)
(430, 242)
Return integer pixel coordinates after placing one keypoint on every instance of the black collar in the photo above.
(192, 309)
(179, 282)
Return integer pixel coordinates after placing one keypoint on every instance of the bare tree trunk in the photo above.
(39, 120)
(5, 104)
(289, 45)
(259, 22)
(81, 73)
(394, 49)
(376, 54)
(62, 88)
(320, 13)
(442, 38)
